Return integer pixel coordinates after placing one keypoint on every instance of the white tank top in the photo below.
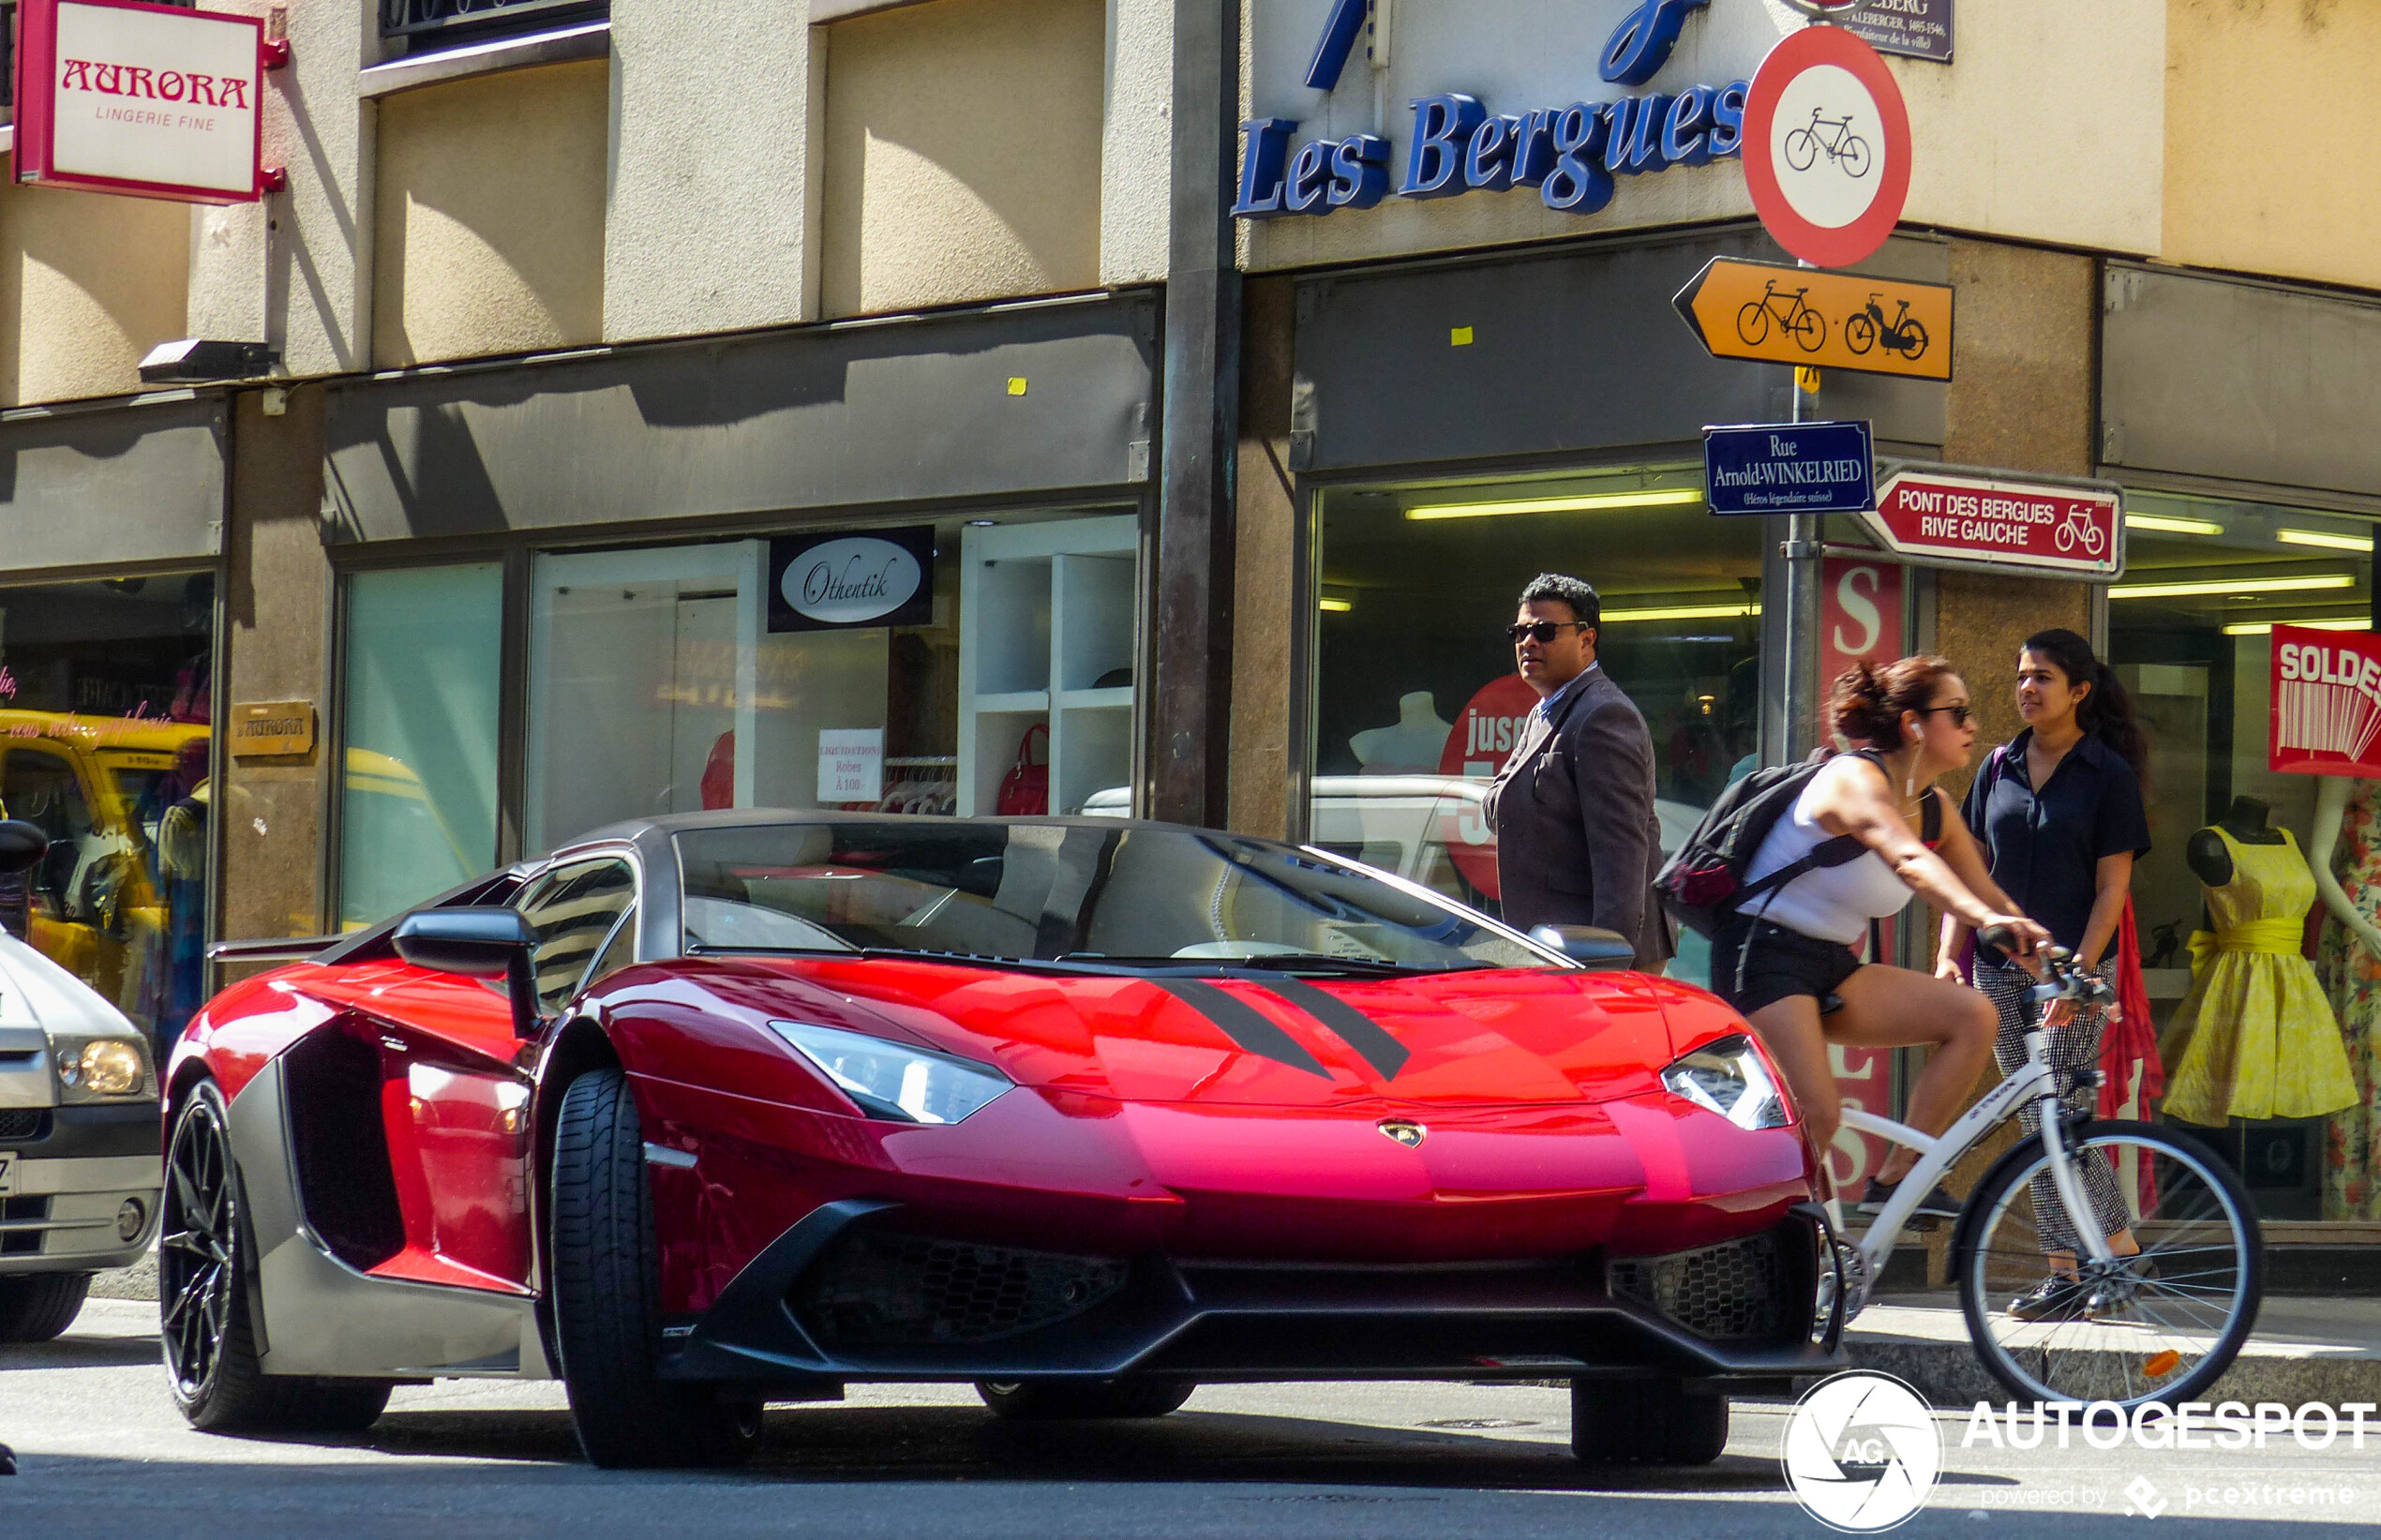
(1834, 902)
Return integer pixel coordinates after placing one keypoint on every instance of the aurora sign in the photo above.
(1571, 154)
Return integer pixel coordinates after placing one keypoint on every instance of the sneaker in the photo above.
(1937, 1205)
(2055, 1298)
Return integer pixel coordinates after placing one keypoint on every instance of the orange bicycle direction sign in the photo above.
(1771, 314)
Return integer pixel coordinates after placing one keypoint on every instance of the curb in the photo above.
(1948, 1374)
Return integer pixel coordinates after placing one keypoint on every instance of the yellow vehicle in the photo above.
(97, 787)
(388, 811)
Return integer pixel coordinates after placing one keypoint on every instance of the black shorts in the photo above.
(1755, 964)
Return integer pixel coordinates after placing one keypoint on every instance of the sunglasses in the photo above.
(1959, 714)
(1543, 632)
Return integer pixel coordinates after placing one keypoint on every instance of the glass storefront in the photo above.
(1416, 703)
(2189, 633)
(106, 738)
(965, 665)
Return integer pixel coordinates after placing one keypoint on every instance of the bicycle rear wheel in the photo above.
(2158, 1326)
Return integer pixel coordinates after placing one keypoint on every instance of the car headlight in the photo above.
(1730, 1078)
(103, 1066)
(894, 1080)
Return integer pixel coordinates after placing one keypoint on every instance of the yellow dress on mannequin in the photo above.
(2255, 1037)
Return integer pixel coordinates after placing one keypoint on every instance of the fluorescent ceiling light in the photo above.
(2239, 585)
(2324, 538)
(1577, 503)
(1681, 612)
(2336, 622)
(2165, 524)
(1335, 606)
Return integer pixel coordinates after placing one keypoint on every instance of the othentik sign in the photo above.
(1570, 155)
(150, 100)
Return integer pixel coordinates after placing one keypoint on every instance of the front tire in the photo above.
(2162, 1325)
(1646, 1422)
(606, 1287)
(203, 1267)
(36, 1310)
(1049, 1400)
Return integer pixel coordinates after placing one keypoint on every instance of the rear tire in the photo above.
(1646, 1422)
(36, 1310)
(606, 1285)
(1057, 1401)
(204, 1254)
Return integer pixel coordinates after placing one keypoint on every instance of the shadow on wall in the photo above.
(489, 234)
(88, 284)
(963, 153)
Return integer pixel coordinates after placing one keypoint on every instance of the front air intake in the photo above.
(1734, 1292)
(883, 1289)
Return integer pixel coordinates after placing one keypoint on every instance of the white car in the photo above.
(79, 1173)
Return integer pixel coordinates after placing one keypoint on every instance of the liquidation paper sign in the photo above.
(2327, 702)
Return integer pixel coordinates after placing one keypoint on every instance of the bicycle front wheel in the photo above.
(2159, 1325)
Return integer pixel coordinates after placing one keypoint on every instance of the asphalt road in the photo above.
(103, 1453)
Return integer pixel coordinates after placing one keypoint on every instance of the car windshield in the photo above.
(1066, 893)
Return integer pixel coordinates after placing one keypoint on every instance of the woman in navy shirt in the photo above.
(2057, 810)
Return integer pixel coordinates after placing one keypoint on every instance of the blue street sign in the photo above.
(1789, 468)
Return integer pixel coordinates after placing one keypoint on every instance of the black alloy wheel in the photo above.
(203, 1293)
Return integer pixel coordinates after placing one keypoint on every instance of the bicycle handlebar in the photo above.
(2062, 980)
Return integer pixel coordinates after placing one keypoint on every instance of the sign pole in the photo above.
(1801, 551)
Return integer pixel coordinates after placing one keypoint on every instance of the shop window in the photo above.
(105, 743)
(991, 671)
(1416, 703)
(417, 788)
(2190, 636)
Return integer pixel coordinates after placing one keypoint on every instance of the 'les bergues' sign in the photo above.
(150, 100)
(1570, 155)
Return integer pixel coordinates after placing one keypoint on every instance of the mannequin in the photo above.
(1412, 747)
(2245, 820)
(2349, 964)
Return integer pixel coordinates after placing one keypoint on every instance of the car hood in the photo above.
(37, 993)
(1534, 1036)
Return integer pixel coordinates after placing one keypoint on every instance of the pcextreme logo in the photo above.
(1570, 155)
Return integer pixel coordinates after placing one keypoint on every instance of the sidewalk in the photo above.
(2302, 1350)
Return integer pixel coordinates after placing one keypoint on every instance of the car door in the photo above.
(465, 1132)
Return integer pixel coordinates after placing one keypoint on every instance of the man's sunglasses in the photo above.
(1542, 631)
(1959, 714)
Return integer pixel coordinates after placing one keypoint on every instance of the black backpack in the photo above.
(1703, 884)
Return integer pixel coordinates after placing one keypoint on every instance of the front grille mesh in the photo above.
(22, 1243)
(1730, 1292)
(889, 1289)
(24, 1124)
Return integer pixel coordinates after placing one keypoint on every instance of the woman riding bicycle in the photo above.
(1787, 961)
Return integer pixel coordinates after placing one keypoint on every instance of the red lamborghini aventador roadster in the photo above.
(716, 1110)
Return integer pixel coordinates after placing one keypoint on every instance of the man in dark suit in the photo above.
(1577, 842)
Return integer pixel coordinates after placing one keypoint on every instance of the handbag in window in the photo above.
(1025, 789)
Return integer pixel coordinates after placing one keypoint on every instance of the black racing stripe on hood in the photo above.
(1243, 1023)
(1383, 1052)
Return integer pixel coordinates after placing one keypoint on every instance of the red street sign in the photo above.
(1826, 147)
(2327, 702)
(2074, 529)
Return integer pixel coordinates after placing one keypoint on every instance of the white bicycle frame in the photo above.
(2036, 1081)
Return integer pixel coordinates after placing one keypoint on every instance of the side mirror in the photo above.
(490, 942)
(1589, 946)
(21, 846)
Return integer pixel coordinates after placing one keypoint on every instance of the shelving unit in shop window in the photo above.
(1046, 637)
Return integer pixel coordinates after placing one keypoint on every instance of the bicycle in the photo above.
(2158, 1323)
(2077, 527)
(1847, 151)
(1900, 335)
(1805, 325)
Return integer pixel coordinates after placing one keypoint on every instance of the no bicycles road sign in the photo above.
(1771, 314)
(1826, 147)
